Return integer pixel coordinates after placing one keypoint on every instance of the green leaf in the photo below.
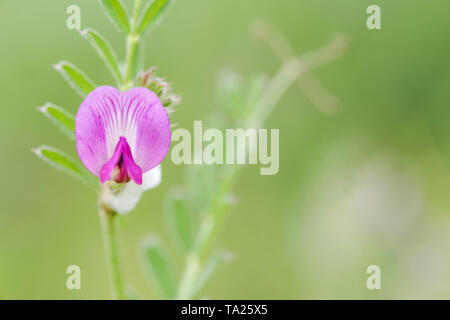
(158, 266)
(76, 78)
(153, 15)
(63, 119)
(179, 220)
(131, 293)
(217, 259)
(202, 186)
(105, 51)
(63, 162)
(115, 10)
(255, 91)
(232, 92)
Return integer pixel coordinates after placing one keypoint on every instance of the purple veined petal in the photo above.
(128, 132)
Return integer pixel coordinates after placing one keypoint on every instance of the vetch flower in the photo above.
(124, 198)
(122, 135)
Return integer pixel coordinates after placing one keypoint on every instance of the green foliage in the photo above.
(153, 15)
(255, 91)
(217, 259)
(63, 162)
(160, 270)
(76, 78)
(115, 10)
(105, 51)
(202, 186)
(155, 256)
(179, 220)
(231, 92)
(239, 98)
(63, 119)
(132, 294)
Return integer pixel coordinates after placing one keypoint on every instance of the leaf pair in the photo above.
(158, 266)
(154, 12)
(65, 121)
(156, 257)
(160, 269)
(155, 254)
(179, 220)
(63, 162)
(76, 78)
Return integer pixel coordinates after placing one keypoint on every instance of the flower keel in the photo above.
(121, 167)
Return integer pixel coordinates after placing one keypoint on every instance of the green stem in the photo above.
(111, 243)
(216, 212)
(190, 273)
(208, 229)
(276, 88)
(132, 42)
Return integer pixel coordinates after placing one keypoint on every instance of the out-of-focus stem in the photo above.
(290, 71)
(208, 229)
(308, 83)
(276, 88)
(112, 248)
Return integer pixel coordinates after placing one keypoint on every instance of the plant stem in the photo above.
(276, 88)
(190, 273)
(208, 229)
(132, 41)
(309, 84)
(111, 243)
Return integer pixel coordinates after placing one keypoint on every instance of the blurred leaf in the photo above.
(257, 86)
(231, 92)
(76, 78)
(153, 15)
(131, 293)
(202, 186)
(179, 220)
(217, 259)
(105, 51)
(158, 266)
(63, 119)
(116, 12)
(63, 162)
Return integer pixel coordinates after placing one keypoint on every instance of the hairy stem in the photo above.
(191, 270)
(131, 47)
(276, 88)
(111, 243)
(208, 229)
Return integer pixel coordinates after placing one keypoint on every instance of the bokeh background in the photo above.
(368, 185)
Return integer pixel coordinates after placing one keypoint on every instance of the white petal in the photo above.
(124, 201)
(127, 199)
(151, 179)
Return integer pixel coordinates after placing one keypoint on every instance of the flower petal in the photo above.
(137, 115)
(151, 179)
(126, 200)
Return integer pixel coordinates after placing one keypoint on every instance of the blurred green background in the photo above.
(366, 186)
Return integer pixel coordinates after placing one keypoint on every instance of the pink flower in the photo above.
(121, 135)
